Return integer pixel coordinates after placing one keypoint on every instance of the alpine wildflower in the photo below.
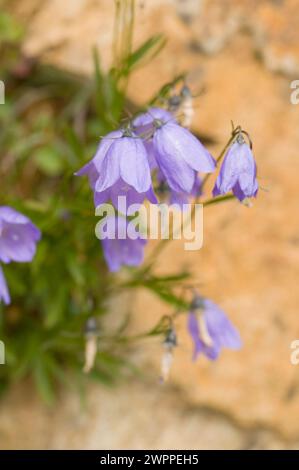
(238, 171)
(121, 156)
(210, 329)
(18, 239)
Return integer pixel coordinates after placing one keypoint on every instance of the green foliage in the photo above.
(49, 127)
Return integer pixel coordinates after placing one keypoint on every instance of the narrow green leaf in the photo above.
(146, 52)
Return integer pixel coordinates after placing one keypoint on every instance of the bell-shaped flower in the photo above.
(18, 236)
(18, 239)
(121, 155)
(121, 246)
(237, 172)
(210, 329)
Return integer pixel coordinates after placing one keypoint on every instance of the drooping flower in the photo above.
(179, 155)
(120, 155)
(120, 168)
(120, 246)
(237, 172)
(18, 236)
(18, 239)
(210, 329)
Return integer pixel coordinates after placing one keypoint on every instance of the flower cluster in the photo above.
(151, 158)
(154, 148)
(18, 239)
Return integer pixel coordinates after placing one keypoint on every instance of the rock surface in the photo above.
(138, 415)
(65, 32)
(250, 260)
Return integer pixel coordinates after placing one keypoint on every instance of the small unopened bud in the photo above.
(169, 343)
(170, 340)
(91, 326)
(91, 344)
(197, 303)
(174, 103)
(186, 92)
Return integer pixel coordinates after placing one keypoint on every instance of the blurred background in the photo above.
(241, 57)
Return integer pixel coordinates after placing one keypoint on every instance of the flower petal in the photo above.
(153, 113)
(89, 170)
(134, 166)
(17, 243)
(104, 146)
(220, 328)
(18, 236)
(211, 352)
(119, 252)
(180, 142)
(237, 173)
(178, 174)
(109, 172)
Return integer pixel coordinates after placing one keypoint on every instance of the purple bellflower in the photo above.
(121, 156)
(237, 172)
(114, 153)
(18, 239)
(179, 155)
(119, 248)
(210, 329)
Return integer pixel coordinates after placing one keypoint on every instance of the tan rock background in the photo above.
(245, 54)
